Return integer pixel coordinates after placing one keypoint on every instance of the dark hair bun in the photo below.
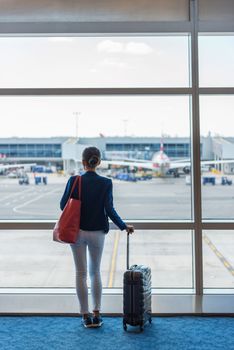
(93, 161)
(92, 156)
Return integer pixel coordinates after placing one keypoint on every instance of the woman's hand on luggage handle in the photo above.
(130, 229)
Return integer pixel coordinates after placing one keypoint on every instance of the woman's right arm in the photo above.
(112, 213)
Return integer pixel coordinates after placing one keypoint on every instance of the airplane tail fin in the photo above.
(161, 146)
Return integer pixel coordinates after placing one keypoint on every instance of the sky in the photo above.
(160, 61)
(110, 116)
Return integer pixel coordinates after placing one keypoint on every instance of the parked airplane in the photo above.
(161, 163)
(16, 166)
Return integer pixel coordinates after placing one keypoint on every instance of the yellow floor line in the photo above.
(226, 264)
(219, 255)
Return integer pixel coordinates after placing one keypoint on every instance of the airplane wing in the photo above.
(207, 162)
(131, 160)
(13, 166)
(176, 165)
(173, 165)
(144, 165)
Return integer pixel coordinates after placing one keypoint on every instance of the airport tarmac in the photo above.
(31, 259)
(160, 198)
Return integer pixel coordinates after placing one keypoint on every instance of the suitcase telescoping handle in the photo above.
(128, 251)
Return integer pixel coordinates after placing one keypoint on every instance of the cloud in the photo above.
(113, 63)
(110, 46)
(138, 48)
(132, 48)
(93, 70)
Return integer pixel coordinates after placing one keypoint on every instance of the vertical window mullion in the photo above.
(196, 150)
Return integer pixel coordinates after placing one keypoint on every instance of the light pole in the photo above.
(125, 121)
(77, 115)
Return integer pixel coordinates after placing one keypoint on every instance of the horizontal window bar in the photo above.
(217, 91)
(139, 225)
(65, 304)
(113, 91)
(220, 225)
(112, 28)
(105, 291)
(216, 27)
(94, 28)
(95, 91)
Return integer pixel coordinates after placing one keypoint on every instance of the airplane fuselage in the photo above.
(161, 163)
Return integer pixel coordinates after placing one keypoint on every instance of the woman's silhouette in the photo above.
(96, 207)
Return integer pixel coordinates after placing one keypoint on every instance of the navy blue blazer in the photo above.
(96, 202)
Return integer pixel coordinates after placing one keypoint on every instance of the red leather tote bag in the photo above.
(67, 227)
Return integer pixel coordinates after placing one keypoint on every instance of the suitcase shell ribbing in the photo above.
(136, 295)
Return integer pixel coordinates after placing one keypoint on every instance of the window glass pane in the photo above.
(147, 168)
(218, 259)
(217, 164)
(168, 253)
(160, 61)
(30, 259)
(216, 60)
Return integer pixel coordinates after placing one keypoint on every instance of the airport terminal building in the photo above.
(65, 152)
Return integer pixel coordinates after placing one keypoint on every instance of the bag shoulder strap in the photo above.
(79, 189)
(77, 179)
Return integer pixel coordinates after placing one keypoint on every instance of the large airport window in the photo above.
(217, 163)
(30, 259)
(149, 172)
(216, 60)
(62, 62)
(218, 260)
(145, 142)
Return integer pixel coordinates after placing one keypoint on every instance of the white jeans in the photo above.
(94, 240)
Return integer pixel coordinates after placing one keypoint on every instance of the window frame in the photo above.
(191, 27)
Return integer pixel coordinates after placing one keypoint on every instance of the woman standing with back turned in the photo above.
(96, 207)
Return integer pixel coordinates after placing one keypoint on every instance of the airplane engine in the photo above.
(186, 170)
